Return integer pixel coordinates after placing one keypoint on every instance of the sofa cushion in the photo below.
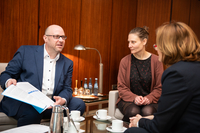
(4, 119)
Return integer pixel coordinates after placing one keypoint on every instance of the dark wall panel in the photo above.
(195, 17)
(181, 11)
(123, 20)
(18, 26)
(187, 11)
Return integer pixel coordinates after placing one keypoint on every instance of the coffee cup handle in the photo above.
(97, 115)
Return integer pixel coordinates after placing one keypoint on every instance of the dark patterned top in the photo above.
(140, 77)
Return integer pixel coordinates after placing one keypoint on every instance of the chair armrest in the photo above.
(113, 96)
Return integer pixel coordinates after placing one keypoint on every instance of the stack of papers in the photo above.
(27, 93)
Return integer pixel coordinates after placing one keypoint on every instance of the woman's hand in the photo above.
(139, 100)
(146, 101)
(134, 120)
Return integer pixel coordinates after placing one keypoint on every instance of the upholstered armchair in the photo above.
(113, 111)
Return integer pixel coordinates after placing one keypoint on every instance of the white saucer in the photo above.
(80, 119)
(108, 117)
(110, 130)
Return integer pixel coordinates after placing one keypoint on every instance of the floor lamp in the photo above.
(81, 47)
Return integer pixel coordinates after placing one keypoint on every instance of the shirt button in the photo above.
(48, 79)
(50, 61)
(48, 88)
(49, 70)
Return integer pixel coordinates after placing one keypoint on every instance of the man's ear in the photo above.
(45, 38)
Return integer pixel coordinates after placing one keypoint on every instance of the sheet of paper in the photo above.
(25, 92)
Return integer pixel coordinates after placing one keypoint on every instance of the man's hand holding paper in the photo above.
(25, 92)
(10, 82)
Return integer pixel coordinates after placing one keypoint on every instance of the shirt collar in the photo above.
(47, 55)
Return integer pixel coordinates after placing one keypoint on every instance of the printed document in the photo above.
(27, 93)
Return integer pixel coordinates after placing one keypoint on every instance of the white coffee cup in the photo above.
(117, 125)
(75, 115)
(102, 114)
(72, 128)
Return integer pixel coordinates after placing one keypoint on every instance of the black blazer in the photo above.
(179, 105)
(27, 66)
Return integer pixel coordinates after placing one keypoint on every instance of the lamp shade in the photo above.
(79, 47)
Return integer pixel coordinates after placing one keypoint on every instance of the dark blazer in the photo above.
(179, 104)
(27, 66)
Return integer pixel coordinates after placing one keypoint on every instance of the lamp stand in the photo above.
(100, 77)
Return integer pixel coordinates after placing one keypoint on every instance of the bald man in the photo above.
(45, 68)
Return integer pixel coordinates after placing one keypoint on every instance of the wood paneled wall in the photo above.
(65, 13)
(100, 24)
(181, 11)
(152, 13)
(18, 26)
(187, 11)
(95, 33)
(123, 21)
(194, 21)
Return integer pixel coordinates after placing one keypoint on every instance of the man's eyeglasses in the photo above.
(155, 46)
(58, 36)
